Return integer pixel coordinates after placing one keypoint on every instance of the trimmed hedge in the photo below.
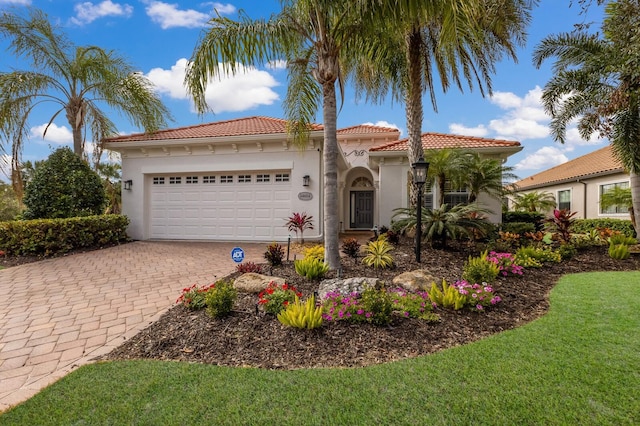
(519, 227)
(56, 236)
(535, 218)
(583, 226)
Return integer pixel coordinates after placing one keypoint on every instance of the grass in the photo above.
(579, 364)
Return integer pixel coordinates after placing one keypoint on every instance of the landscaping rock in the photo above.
(347, 286)
(252, 282)
(417, 280)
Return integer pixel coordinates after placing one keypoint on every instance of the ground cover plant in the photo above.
(576, 365)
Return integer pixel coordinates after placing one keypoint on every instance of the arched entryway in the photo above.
(361, 203)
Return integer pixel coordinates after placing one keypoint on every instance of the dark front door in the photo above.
(362, 209)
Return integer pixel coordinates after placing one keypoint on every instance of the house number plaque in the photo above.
(305, 196)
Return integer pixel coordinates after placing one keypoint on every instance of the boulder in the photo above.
(252, 282)
(347, 286)
(417, 280)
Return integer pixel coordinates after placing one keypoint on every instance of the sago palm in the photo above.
(620, 197)
(597, 81)
(79, 80)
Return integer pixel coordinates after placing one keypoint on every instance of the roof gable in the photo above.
(366, 129)
(441, 140)
(595, 163)
(237, 127)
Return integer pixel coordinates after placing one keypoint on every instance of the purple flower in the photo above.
(368, 315)
(406, 314)
(479, 307)
(360, 312)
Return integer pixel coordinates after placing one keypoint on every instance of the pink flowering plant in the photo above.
(193, 298)
(478, 296)
(413, 305)
(336, 307)
(506, 263)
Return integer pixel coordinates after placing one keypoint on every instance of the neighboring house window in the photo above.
(208, 179)
(263, 178)
(191, 179)
(454, 196)
(158, 181)
(226, 179)
(617, 208)
(175, 180)
(564, 200)
(282, 177)
(244, 179)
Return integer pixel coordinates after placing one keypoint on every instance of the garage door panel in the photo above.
(218, 210)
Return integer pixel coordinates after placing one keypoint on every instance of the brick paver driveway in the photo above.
(60, 313)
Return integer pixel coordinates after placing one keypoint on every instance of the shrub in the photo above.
(393, 237)
(622, 239)
(64, 186)
(299, 315)
(506, 263)
(519, 228)
(9, 206)
(274, 254)
(311, 268)
(477, 296)
(447, 297)
(413, 305)
(534, 257)
(193, 298)
(480, 269)
(374, 306)
(248, 267)
(57, 236)
(220, 298)
(276, 297)
(378, 303)
(299, 222)
(351, 247)
(316, 252)
(534, 218)
(619, 251)
(561, 224)
(583, 226)
(377, 254)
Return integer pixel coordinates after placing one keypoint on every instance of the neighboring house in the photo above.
(578, 184)
(241, 179)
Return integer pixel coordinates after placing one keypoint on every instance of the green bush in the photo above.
(518, 227)
(534, 218)
(220, 298)
(480, 270)
(64, 186)
(379, 303)
(584, 226)
(377, 254)
(311, 268)
(56, 236)
(619, 251)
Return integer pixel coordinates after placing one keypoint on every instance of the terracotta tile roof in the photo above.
(442, 140)
(235, 127)
(596, 163)
(366, 128)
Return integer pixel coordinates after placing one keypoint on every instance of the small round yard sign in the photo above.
(237, 254)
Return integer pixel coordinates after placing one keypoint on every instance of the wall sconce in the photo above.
(128, 184)
(306, 180)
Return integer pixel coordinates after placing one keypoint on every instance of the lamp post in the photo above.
(420, 169)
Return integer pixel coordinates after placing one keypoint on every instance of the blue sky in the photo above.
(158, 37)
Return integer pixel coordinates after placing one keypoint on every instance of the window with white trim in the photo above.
(263, 178)
(618, 208)
(564, 199)
(226, 179)
(454, 196)
(158, 181)
(282, 177)
(244, 178)
(208, 179)
(191, 179)
(175, 180)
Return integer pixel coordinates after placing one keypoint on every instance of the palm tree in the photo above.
(484, 175)
(534, 201)
(597, 81)
(76, 78)
(444, 165)
(620, 197)
(458, 43)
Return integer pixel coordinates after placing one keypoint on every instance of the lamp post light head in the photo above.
(420, 169)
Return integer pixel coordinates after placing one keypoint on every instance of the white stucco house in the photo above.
(577, 185)
(241, 179)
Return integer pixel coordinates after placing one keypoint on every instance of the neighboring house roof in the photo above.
(596, 163)
(442, 140)
(366, 128)
(237, 127)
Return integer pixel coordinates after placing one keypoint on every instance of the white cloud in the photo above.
(277, 65)
(247, 89)
(519, 128)
(88, 12)
(460, 129)
(382, 123)
(56, 134)
(574, 139)
(169, 16)
(506, 100)
(544, 158)
(223, 9)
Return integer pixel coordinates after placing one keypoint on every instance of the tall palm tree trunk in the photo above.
(634, 183)
(413, 105)
(331, 216)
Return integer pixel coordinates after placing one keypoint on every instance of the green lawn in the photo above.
(580, 364)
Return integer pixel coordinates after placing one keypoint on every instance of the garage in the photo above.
(247, 206)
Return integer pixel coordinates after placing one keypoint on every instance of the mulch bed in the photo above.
(247, 338)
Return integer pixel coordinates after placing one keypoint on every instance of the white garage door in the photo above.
(220, 206)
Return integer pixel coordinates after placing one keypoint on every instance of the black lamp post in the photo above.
(420, 169)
